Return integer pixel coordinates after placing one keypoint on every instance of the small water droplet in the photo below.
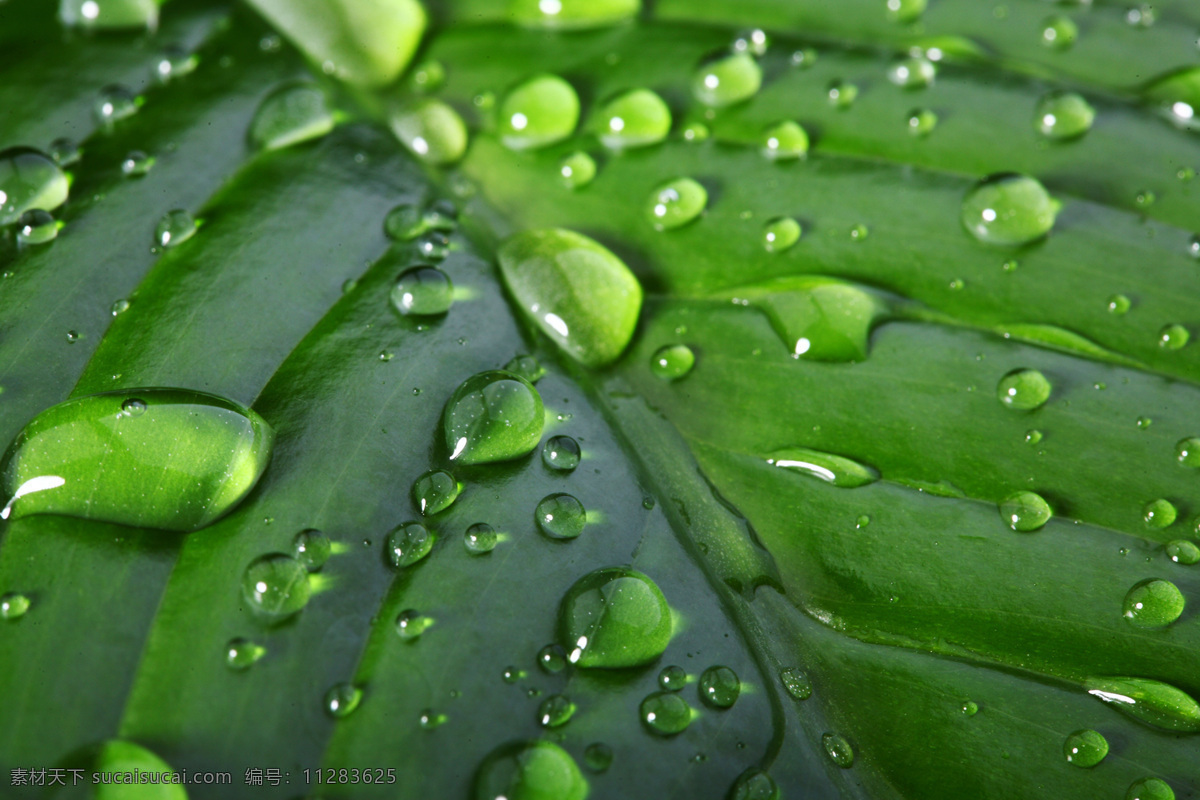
(1008, 210)
(676, 203)
(781, 234)
(174, 62)
(433, 245)
(408, 543)
(754, 41)
(1023, 389)
(672, 362)
(480, 538)
(276, 586)
(114, 104)
(342, 699)
(1153, 603)
(1182, 551)
(672, 678)
(555, 711)
(1062, 116)
(719, 687)
(428, 76)
(242, 654)
(312, 548)
(970, 708)
(538, 112)
(13, 605)
(1193, 246)
(1141, 16)
(293, 113)
(1059, 32)
(614, 617)
(119, 307)
(64, 151)
(1085, 748)
(696, 132)
(431, 130)
(842, 95)
(429, 719)
(906, 10)
(552, 658)
(512, 674)
(561, 453)
(859, 232)
(727, 79)
(912, 72)
(838, 750)
(665, 713)
(754, 784)
(785, 141)
(527, 367)
(386, 355)
(1025, 511)
(862, 522)
(560, 516)
(1173, 337)
(577, 170)
(1159, 513)
(1144, 198)
(36, 227)
(435, 491)
(804, 58)
(410, 624)
(1033, 436)
(29, 180)
(796, 683)
(636, 118)
(922, 121)
(598, 757)
(1118, 304)
(175, 228)
(136, 163)
(493, 416)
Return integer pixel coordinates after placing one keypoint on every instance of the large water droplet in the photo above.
(1173, 337)
(781, 234)
(435, 491)
(1183, 551)
(614, 617)
(571, 14)
(913, 72)
(539, 112)
(13, 605)
(719, 687)
(754, 784)
(1160, 513)
(182, 461)
(1085, 748)
(242, 654)
(493, 416)
(312, 549)
(1152, 702)
(575, 290)
(1149, 789)
(636, 118)
(114, 104)
(533, 770)
(1059, 32)
(561, 453)
(1023, 389)
(293, 113)
(36, 227)
(342, 699)
(422, 291)
(1063, 115)
(560, 516)
(798, 684)
(431, 130)
(108, 14)
(1153, 603)
(480, 538)
(175, 228)
(408, 543)
(676, 203)
(1009, 210)
(727, 79)
(29, 180)
(785, 141)
(577, 170)
(1025, 511)
(276, 586)
(555, 711)
(838, 750)
(665, 713)
(673, 361)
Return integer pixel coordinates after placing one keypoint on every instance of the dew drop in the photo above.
(781, 234)
(29, 180)
(841, 94)
(1144, 198)
(1118, 304)
(114, 104)
(1009, 210)
(672, 678)
(13, 605)
(1159, 513)
(1173, 337)
(913, 72)
(242, 654)
(614, 617)
(1033, 436)
(727, 79)
(1193, 246)
(906, 10)
(1062, 116)
(665, 713)
(435, 491)
(637, 118)
(293, 113)
(312, 549)
(922, 121)
(797, 684)
(1182, 551)
(64, 151)
(36, 227)
(754, 784)
(719, 687)
(431, 130)
(538, 112)
(552, 659)
(560, 516)
(136, 163)
(175, 228)
(1025, 511)
(577, 170)
(342, 699)
(493, 416)
(1149, 789)
(1153, 603)
(109, 14)
(174, 62)
(561, 453)
(675, 203)
(785, 141)
(754, 41)
(598, 757)
(838, 750)
(276, 586)
(527, 367)
(1085, 748)
(695, 132)
(410, 624)
(408, 543)
(555, 711)
(480, 538)
(672, 362)
(970, 708)
(533, 770)
(428, 76)
(1059, 32)
(512, 675)
(1023, 389)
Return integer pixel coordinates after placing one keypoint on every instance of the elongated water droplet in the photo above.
(840, 471)
(1085, 748)
(1150, 789)
(493, 416)
(672, 361)
(614, 617)
(293, 113)
(555, 711)
(577, 170)
(754, 784)
(838, 750)
(726, 80)
(1152, 702)
(312, 549)
(598, 757)
(672, 678)
(435, 491)
(527, 367)
(1182, 551)
(796, 682)
(410, 624)
(913, 72)
(175, 228)
(665, 713)
(342, 699)
(1159, 513)
(184, 460)
(533, 770)
(108, 14)
(1063, 115)
(13, 605)
(276, 586)
(1153, 603)
(36, 227)
(572, 15)
(136, 163)
(480, 538)
(676, 203)
(719, 687)
(1025, 511)
(841, 94)
(561, 453)
(29, 180)
(1009, 210)
(242, 654)
(575, 290)
(560, 516)
(1023, 389)
(922, 121)
(429, 719)
(422, 291)
(1059, 32)
(539, 112)
(1173, 337)
(174, 62)
(785, 141)
(431, 130)
(114, 104)
(781, 234)
(408, 543)
(636, 118)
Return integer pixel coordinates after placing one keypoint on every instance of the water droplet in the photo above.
(862, 521)
(136, 163)
(1118, 304)
(913, 72)
(133, 407)
(1182, 551)
(435, 491)
(101, 14)
(922, 121)
(431, 130)
(1153, 603)
(1149, 701)
(1023, 389)
(174, 62)
(598, 757)
(342, 699)
(970, 708)
(1149, 789)
(175, 228)
(242, 654)
(838, 749)
(1063, 115)
(560, 516)
(614, 617)
(859, 232)
(410, 624)
(577, 170)
(719, 687)
(493, 416)
(64, 151)
(727, 79)
(906, 10)
(276, 586)
(636, 118)
(512, 674)
(571, 15)
(433, 245)
(539, 112)
(1085, 748)
(673, 361)
(1009, 210)
(1159, 513)
(555, 711)
(665, 713)
(293, 113)
(533, 770)
(797, 683)
(696, 132)
(754, 784)
(552, 659)
(1173, 337)
(408, 543)
(72, 337)
(428, 76)
(184, 462)
(785, 141)
(575, 290)
(781, 234)
(114, 104)
(1143, 423)
(676, 203)
(561, 453)
(1033, 436)
(1025, 511)
(386, 355)
(312, 549)
(429, 719)
(527, 367)
(1059, 32)
(1144, 198)
(13, 605)
(1141, 16)
(841, 94)
(480, 538)
(36, 227)
(672, 678)
(29, 180)
(841, 472)
(753, 41)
